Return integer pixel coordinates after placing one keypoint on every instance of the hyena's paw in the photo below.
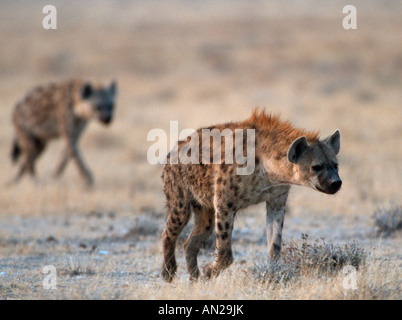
(89, 181)
(211, 270)
(194, 274)
(169, 271)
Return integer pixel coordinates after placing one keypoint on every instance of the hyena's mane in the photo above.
(274, 135)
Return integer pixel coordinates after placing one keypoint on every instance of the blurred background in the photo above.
(205, 62)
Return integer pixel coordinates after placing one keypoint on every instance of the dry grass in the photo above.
(201, 63)
(317, 259)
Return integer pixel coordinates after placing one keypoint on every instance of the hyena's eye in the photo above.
(317, 168)
(335, 166)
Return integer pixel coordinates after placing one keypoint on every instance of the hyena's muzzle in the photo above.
(105, 113)
(329, 181)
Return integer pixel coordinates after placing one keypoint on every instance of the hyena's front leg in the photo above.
(65, 156)
(74, 153)
(224, 219)
(71, 130)
(275, 218)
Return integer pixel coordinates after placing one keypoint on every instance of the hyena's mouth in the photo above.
(333, 188)
(105, 119)
(320, 189)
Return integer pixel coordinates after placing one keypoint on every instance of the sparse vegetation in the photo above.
(317, 258)
(388, 220)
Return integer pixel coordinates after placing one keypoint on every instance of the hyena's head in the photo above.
(315, 164)
(97, 102)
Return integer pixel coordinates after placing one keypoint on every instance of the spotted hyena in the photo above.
(284, 156)
(59, 110)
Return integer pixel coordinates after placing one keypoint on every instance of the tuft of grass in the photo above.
(76, 268)
(308, 258)
(388, 220)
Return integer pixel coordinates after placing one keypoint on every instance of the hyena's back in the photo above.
(195, 181)
(41, 112)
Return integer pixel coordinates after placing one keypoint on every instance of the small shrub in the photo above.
(316, 257)
(388, 220)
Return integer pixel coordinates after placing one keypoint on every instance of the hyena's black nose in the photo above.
(106, 118)
(335, 186)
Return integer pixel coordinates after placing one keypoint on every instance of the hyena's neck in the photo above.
(279, 171)
(273, 153)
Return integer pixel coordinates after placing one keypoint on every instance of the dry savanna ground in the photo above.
(199, 63)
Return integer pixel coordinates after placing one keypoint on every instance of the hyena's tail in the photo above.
(15, 151)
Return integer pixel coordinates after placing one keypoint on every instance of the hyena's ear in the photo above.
(86, 91)
(297, 148)
(334, 141)
(113, 87)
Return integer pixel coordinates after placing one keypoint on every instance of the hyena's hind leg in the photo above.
(203, 226)
(178, 215)
(30, 148)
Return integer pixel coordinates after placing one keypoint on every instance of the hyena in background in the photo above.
(59, 110)
(284, 156)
